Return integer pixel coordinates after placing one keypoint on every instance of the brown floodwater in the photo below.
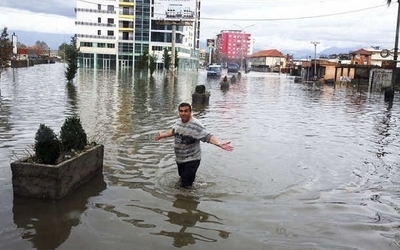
(315, 166)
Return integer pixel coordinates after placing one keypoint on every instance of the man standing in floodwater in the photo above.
(188, 133)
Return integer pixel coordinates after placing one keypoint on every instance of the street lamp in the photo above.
(242, 29)
(315, 59)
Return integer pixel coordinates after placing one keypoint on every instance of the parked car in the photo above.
(214, 70)
(233, 68)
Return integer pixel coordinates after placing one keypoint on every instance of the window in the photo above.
(110, 45)
(110, 33)
(99, 32)
(99, 7)
(125, 10)
(125, 47)
(99, 19)
(86, 44)
(110, 7)
(157, 48)
(101, 45)
(110, 20)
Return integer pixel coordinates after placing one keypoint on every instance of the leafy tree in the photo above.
(143, 60)
(42, 46)
(71, 55)
(5, 49)
(21, 45)
(61, 50)
(152, 63)
(166, 58)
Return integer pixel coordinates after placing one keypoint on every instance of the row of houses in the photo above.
(361, 65)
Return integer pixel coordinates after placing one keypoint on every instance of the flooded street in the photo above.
(314, 166)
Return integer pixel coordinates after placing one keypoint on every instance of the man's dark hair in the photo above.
(185, 104)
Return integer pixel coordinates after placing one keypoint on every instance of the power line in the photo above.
(290, 18)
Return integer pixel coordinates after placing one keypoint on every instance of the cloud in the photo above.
(292, 24)
(281, 24)
(16, 19)
(55, 7)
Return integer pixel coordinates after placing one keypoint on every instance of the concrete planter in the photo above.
(55, 181)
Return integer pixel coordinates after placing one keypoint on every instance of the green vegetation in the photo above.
(152, 63)
(71, 55)
(143, 61)
(5, 49)
(166, 59)
(42, 46)
(61, 50)
(47, 145)
(49, 148)
(72, 135)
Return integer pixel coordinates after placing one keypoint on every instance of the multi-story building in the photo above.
(232, 46)
(113, 34)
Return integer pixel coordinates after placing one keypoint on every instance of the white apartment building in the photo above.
(112, 34)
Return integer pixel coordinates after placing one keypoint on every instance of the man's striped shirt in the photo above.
(187, 139)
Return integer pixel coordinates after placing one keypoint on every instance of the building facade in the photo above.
(271, 60)
(232, 46)
(113, 34)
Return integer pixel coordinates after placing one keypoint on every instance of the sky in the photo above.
(286, 25)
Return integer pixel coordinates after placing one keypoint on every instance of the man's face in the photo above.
(185, 114)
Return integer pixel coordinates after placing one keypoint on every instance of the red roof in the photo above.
(267, 53)
(361, 52)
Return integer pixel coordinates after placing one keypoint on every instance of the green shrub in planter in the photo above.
(47, 145)
(72, 135)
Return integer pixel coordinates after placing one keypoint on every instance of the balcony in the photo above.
(126, 26)
(127, 3)
(95, 24)
(127, 12)
(124, 14)
(95, 36)
(125, 38)
(95, 11)
(126, 29)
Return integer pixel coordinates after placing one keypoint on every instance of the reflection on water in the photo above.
(72, 97)
(315, 166)
(187, 218)
(47, 224)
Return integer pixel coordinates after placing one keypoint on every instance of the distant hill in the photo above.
(336, 50)
(302, 54)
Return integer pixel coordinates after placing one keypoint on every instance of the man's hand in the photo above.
(226, 146)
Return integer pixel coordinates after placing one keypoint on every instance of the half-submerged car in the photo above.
(214, 70)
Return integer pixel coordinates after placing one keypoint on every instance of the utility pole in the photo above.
(315, 59)
(242, 30)
(389, 93)
(176, 16)
(308, 68)
(173, 41)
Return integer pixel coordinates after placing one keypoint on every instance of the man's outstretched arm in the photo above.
(224, 145)
(160, 135)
